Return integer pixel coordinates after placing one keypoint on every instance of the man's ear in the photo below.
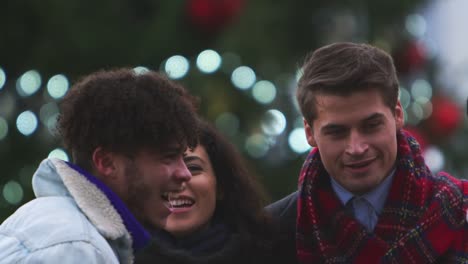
(104, 162)
(309, 134)
(399, 115)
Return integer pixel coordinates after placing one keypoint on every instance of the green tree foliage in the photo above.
(77, 37)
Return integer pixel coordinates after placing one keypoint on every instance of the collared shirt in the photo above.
(367, 207)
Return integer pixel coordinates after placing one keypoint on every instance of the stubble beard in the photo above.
(138, 192)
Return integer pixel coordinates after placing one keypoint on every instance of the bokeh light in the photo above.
(426, 107)
(434, 158)
(228, 123)
(208, 61)
(28, 83)
(298, 141)
(176, 67)
(139, 70)
(264, 92)
(48, 115)
(59, 154)
(243, 77)
(421, 89)
(405, 98)
(2, 78)
(48, 110)
(13, 192)
(273, 122)
(3, 128)
(257, 145)
(416, 25)
(414, 114)
(7, 104)
(430, 47)
(26, 123)
(417, 110)
(57, 86)
(51, 123)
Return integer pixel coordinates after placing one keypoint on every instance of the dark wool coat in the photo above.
(237, 250)
(284, 213)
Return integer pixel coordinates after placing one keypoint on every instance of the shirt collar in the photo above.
(341, 192)
(375, 197)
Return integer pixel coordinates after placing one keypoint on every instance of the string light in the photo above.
(2, 78)
(243, 77)
(57, 86)
(176, 67)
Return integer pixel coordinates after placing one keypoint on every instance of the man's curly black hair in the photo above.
(123, 111)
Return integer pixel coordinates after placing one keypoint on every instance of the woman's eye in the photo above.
(194, 168)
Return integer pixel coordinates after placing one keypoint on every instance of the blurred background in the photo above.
(242, 58)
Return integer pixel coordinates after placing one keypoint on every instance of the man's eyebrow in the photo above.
(373, 117)
(332, 127)
(173, 149)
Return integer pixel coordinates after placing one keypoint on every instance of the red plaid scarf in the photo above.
(423, 220)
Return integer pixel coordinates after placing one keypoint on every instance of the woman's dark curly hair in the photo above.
(242, 198)
(123, 111)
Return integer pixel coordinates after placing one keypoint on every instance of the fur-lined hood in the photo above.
(55, 177)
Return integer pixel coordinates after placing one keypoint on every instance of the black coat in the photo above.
(279, 246)
(284, 215)
(237, 250)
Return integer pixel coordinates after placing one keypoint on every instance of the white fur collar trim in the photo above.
(93, 202)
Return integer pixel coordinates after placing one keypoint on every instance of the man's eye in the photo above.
(373, 125)
(171, 156)
(335, 133)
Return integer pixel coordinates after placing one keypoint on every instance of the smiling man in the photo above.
(365, 193)
(126, 133)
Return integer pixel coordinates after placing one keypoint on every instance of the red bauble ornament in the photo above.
(410, 57)
(445, 118)
(213, 15)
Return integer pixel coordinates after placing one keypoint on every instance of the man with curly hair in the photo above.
(365, 192)
(126, 133)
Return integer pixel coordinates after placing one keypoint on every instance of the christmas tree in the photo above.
(241, 58)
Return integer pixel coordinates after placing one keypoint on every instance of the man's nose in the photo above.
(181, 173)
(357, 144)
